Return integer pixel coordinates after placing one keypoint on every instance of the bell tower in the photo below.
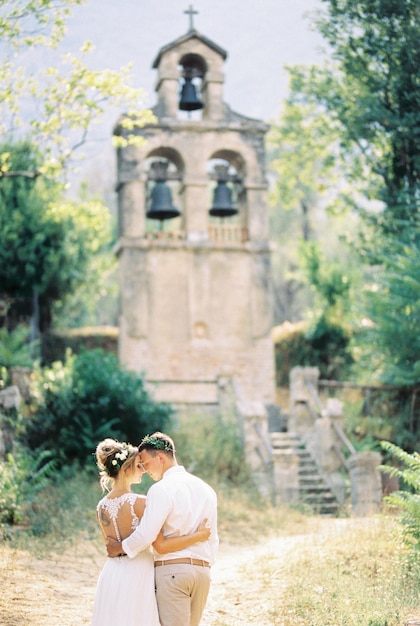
(193, 248)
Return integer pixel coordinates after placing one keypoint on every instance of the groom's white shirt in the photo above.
(178, 503)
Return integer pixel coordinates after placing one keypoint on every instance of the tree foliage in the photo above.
(390, 343)
(45, 243)
(368, 97)
(372, 89)
(407, 501)
(77, 403)
(303, 156)
(58, 106)
(313, 199)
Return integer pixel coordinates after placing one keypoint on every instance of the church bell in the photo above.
(222, 201)
(161, 207)
(189, 100)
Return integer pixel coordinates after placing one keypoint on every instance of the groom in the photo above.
(177, 502)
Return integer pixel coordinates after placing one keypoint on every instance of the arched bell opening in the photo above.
(163, 181)
(225, 191)
(192, 69)
(227, 202)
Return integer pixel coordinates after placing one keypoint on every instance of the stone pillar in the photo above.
(212, 94)
(10, 398)
(256, 194)
(195, 215)
(131, 202)
(167, 88)
(365, 479)
(298, 377)
(21, 378)
(323, 448)
(253, 414)
(326, 438)
(301, 420)
(286, 475)
(253, 419)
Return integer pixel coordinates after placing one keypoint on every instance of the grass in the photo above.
(278, 566)
(289, 569)
(360, 577)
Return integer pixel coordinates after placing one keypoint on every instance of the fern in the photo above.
(408, 501)
(21, 477)
(37, 474)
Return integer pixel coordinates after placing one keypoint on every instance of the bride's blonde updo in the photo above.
(111, 456)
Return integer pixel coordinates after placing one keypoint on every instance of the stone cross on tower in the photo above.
(191, 12)
(196, 293)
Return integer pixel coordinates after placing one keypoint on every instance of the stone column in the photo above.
(212, 94)
(167, 88)
(256, 194)
(252, 414)
(323, 448)
(253, 420)
(326, 438)
(132, 213)
(286, 476)
(195, 214)
(299, 376)
(366, 488)
(301, 420)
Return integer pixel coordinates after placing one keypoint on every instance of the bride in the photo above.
(125, 592)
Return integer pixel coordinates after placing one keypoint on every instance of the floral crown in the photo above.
(115, 461)
(156, 443)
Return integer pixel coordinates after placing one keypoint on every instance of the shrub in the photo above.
(22, 476)
(407, 501)
(77, 403)
(211, 446)
(16, 350)
(324, 345)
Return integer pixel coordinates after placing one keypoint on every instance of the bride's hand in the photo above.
(203, 530)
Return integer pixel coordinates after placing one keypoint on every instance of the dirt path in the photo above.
(235, 597)
(58, 590)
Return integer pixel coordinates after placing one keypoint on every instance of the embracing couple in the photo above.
(168, 587)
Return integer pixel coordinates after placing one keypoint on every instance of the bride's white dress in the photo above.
(125, 592)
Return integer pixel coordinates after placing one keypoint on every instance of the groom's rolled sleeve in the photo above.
(154, 516)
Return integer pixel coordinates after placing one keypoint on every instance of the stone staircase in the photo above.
(314, 491)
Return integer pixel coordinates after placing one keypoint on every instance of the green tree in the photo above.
(303, 158)
(390, 344)
(56, 108)
(371, 90)
(310, 203)
(77, 403)
(369, 93)
(45, 242)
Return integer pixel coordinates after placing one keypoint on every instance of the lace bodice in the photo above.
(113, 505)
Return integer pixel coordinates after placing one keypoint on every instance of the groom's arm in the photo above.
(157, 508)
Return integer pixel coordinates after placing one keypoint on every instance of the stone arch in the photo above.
(169, 153)
(227, 165)
(169, 161)
(192, 70)
(234, 158)
(194, 63)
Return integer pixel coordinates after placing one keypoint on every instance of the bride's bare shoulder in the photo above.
(140, 505)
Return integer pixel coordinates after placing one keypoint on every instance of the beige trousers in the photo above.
(181, 593)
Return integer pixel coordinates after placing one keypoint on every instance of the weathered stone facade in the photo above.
(196, 294)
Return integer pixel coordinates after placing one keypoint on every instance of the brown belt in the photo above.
(180, 561)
